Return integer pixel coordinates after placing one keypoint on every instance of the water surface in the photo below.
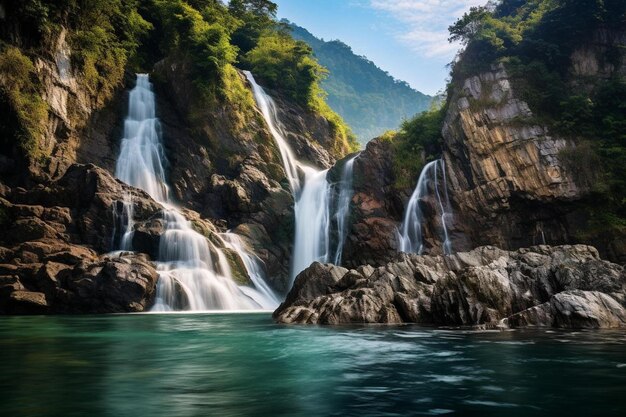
(244, 365)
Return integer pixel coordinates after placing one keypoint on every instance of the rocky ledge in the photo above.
(561, 286)
(55, 244)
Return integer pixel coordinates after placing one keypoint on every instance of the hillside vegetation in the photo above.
(369, 99)
(110, 38)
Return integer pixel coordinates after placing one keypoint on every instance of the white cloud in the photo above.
(426, 23)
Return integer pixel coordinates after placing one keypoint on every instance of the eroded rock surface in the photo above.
(376, 208)
(53, 241)
(562, 286)
(504, 169)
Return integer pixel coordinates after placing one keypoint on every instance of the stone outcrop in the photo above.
(377, 207)
(55, 235)
(563, 286)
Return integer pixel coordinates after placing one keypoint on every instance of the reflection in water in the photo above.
(244, 365)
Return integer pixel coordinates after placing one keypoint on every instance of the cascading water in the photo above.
(270, 114)
(311, 196)
(342, 214)
(253, 267)
(411, 231)
(193, 273)
(312, 211)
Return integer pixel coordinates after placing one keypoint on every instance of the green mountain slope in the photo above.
(368, 98)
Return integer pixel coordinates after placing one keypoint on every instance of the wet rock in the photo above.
(125, 283)
(564, 286)
(26, 302)
(376, 207)
(573, 310)
(49, 256)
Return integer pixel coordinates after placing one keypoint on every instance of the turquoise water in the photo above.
(244, 365)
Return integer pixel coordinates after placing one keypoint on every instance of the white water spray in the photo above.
(342, 214)
(270, 114)
(254, 268)
(411, 237)
(312, 211)
(312, 196)
(194, 274)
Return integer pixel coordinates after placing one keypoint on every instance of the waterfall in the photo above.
(312, 211)
(194, 274)
(312, 196)
(270, 114)
(342, 214)
(411, 232)
(254, 269)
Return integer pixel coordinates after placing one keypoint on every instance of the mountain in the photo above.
(369, 99)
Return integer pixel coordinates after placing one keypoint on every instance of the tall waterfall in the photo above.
(342, 214)
(411, 237)
(194, 274)
(312, 194)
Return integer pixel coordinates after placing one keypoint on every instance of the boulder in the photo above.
(573, 310)
(564, 286)
(120, 284)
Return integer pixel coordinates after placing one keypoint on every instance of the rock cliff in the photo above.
(376, 207)
(509, 178)
(504, 170)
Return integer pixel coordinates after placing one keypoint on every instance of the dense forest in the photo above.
(112, 37)
(535, 41)
(368, 98)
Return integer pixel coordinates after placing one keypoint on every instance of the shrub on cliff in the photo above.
(25, 115)
(418, 141)
(536, 40)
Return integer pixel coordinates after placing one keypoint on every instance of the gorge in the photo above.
(225, 209)
(189, 227)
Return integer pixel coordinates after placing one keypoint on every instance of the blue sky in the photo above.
(407, 38)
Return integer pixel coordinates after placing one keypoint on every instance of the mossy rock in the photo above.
(238, 269)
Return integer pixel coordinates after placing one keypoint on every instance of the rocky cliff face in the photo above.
(504, 169)
(224, 163)
(508, 179)
(376, 207)
(82, 125)
(565, 287)
(507, 172)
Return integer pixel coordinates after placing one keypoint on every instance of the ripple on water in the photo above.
(492, 388)
(491, 403)
(454, 379)
(439, 411)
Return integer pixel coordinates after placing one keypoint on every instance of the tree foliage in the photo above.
(109, 38)
(418, 141)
